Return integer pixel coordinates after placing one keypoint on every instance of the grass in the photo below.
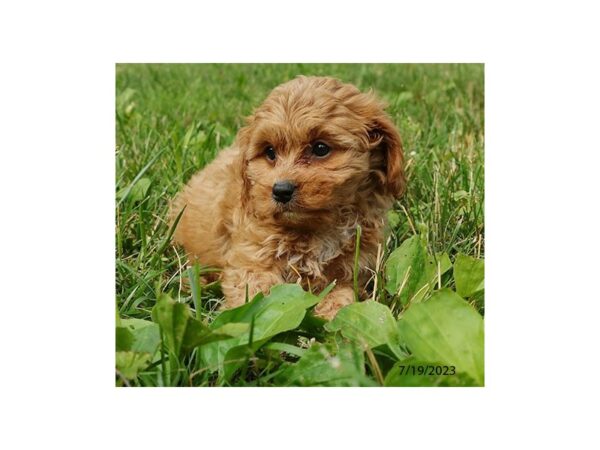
(171, 120)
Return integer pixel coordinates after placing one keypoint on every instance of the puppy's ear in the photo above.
(243, 142)
(387, 158)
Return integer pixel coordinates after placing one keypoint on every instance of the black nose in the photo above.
(283, 190)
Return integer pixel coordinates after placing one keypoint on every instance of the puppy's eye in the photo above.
(270, 153)
(320, 149)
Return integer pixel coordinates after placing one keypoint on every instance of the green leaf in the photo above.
(430, 274)
(404, 268)
(411, 268)
(130, 363)
(182, 332)
(137, 192)
(448, 330)
(468, 275)
(124, 339)
(198, 334)
(137, 342)
(368, 323)
(146, 335)
(412, 372)
(325, 365)
(173, 319)
(282, 310)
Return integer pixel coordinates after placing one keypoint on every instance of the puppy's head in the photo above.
(316, 144)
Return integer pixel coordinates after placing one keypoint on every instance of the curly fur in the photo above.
(232, 222)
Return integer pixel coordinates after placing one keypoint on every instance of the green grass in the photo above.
(171, 120)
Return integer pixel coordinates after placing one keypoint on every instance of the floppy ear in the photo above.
(242, 143)
(387, 158)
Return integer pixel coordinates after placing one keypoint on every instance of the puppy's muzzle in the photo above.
(283, 191)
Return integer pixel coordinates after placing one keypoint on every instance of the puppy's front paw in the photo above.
(237, 283)
(333, 302)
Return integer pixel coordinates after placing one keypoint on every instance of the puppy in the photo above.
(317, 159)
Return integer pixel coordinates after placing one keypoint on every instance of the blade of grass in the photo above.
(356, 256)
(138, 176)
(194, 276)
(167, 240)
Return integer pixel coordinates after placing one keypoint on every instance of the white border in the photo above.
(57, 85)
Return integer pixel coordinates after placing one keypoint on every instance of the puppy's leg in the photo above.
(339, 297)
(235, 280)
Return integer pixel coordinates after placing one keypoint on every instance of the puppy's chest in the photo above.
(312, 257)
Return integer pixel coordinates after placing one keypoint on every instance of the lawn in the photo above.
(426, 327)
